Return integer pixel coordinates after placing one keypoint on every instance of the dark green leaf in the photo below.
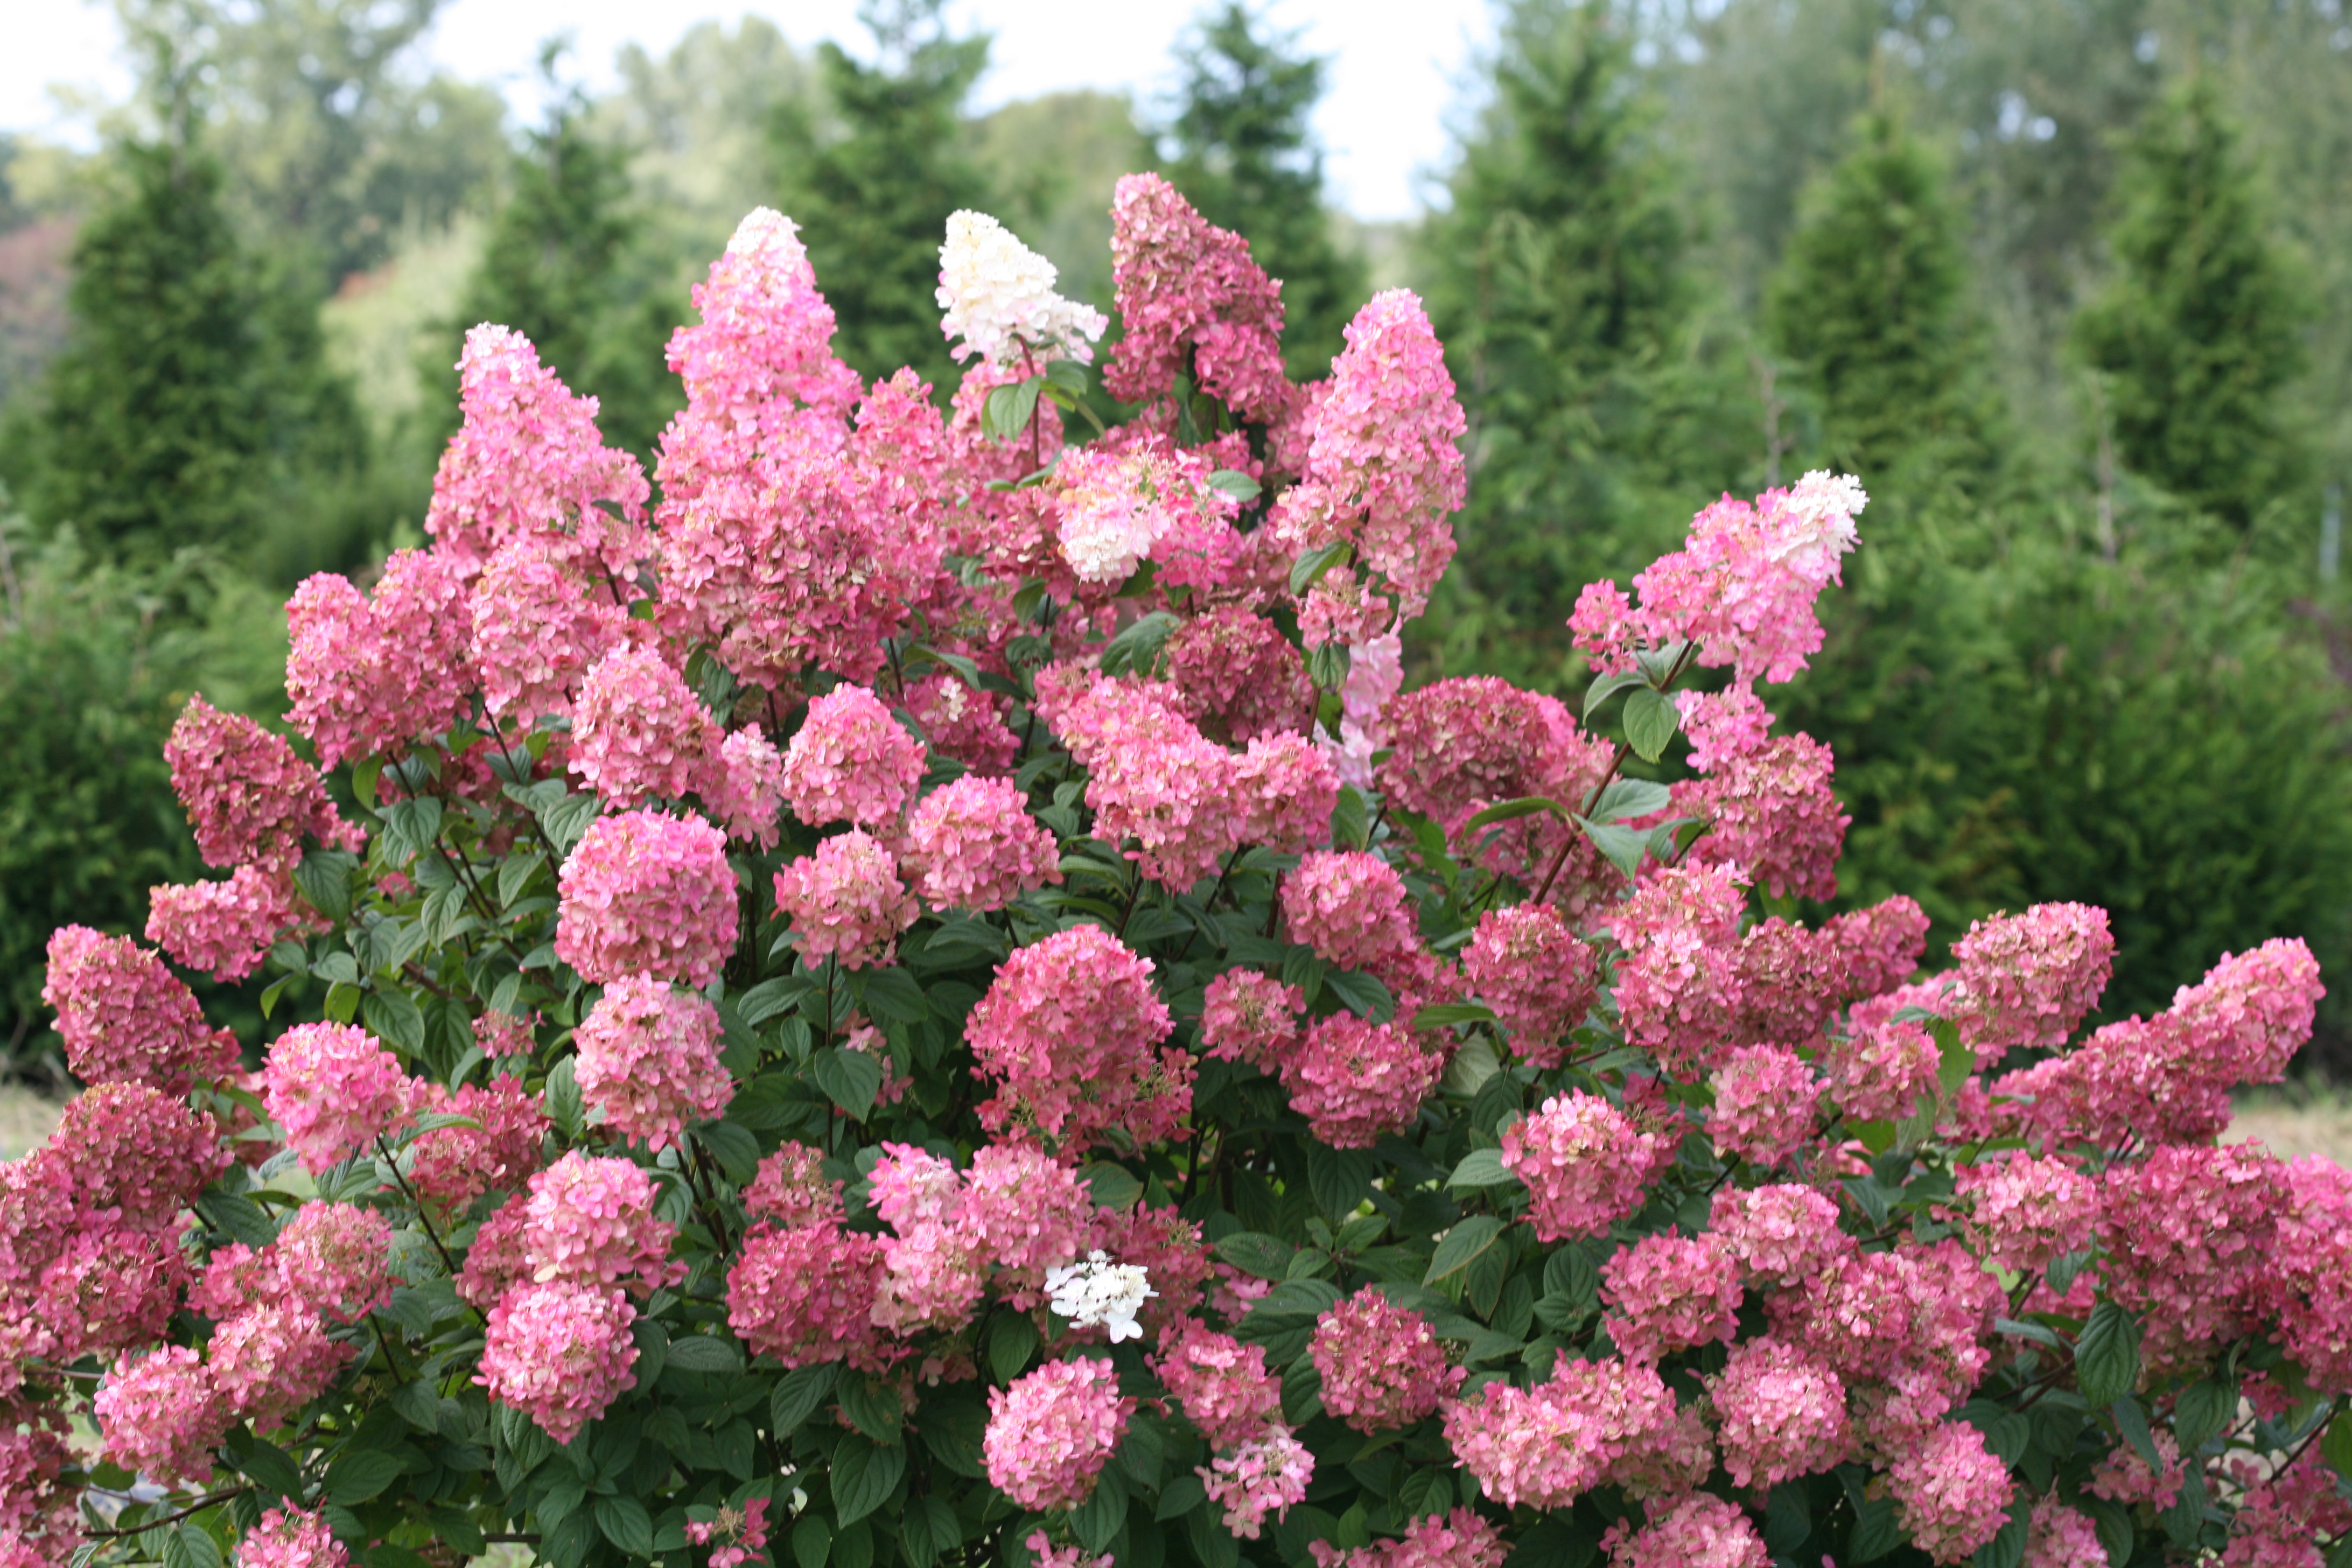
(2107, 1355)
(272, 1469)
(1627, 798)
(1650, 720)
(928, 1529)
(627, 1525)
(240, 1216)
(872, 1407)
(1446, 1014)
(736, 1151)
(563, 1098)
(1328, 665)
(2184, 1518)
(1111, 1187)
(1510, 810)
(1235, 483)
(1097, 1520)
(1136, 646)
(890, 994)
(1463, 1243)
(1361, 994)
(811, 1539)
(863, 1476)
(1874, 1533)
(1554, 1542)
(1351, 819)
(1339, 1179)
(1481, 1168)
(798, 1396)
(1622, 846)
(324, 878)
(1012, 1341)
(952, 1430)
(2131, 1420)
(2335, 1446)
(1609, 686)
(392, 1018)
(360, 1475)
(1252, 1252)
(190, 1546)
(2206, 1406)
(1180, 1496)
(769, 997)
(850, 1078)
(1310, 568)
(706, 1353)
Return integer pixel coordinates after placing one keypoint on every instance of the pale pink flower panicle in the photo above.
(645, 893)
(2021, 1212)
(1771, 812)
(747, 792)
(1547, 1446)
(1586, 1164)
(806, 1293)
(850, 761)
(1238, 678)
(133, 1149)
(290, 1537)
(1767, 1105)
(1050, 1433)
(1250, 1018)
(560, 1352)
(1186, 284)
(590, 1220)
(335, 1090)
(538, 626)
(249, 798)
(372, 675)
(972, 845)
(2062, 1537)
(1780, 1234)
(790, 1187)
(1780, 1414)
(638, 733)
(1381, 1365)
(1224, 1385)
(1696, 1531)
(1071, 1031)
(227, 928)
(1462, 1539)
(1679, 975)
(161, 1416)
(126, 1018)
(1952, 1493)
(1265, 1474)
(2029, 979)
(1537, 977)
(1350, 906)
(455, 1165)
(741, 1535)
(1668, 1292)
(648, 1059)
(846, 901)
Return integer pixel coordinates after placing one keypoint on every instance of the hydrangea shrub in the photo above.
(927, 996)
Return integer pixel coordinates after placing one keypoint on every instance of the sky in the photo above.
(1398, 67)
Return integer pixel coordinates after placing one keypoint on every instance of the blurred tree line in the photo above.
(2068, 282)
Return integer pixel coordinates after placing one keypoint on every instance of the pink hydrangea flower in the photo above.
(130, 1148)
(369, 677)
(2125, 1477)
(249, 798)
(455, 1165)
(638, 733)
(2190, 1238)
(334, 1091)
(1286, 790)
(648, 1058)
(1462, 1539)
(109, 1290)
(1046, 1554)
(1355, 1080)
(747, 794)
(790, 1187)
(1767, 1105)
(2062, 1537)
(1068, 1030)
(1526, 964)
(560, 1352)
(1678, 977)
(591, 1221)
(2020, 1211)
(1697, 1532)
(538, 626)
(1952, 1493)
(1050, 1433)
(1780, 1414)
(1189, 297)
(806, 1294)
(1265, 1474)
(227, 928)
(1773, 816)
(1547, 1446)
(1247, 1016)
(1238, 678)
(161, 1416)
(1223, 1385)
(1154, 778)
(335, 1259)
(972, 845)
(1880, 1073)
(290, 1537)
(1381, 1365)
(1668, 1292)
(962, 724)
(741, 1533)
(1462, 744)
(643, 893)
(2029, 979)
(1780, 1234)
(1025, 1214)
(268, 1362)
(846, 901)
(125, 1018)
(1349, 906)
(850, 761)
(1585, 1163)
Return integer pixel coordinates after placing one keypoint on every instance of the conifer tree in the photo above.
(192, 402)
(1245, 157)
(562, 267)
(2197, 336)
(1557, 280)
(1870, 306)
(872, 185)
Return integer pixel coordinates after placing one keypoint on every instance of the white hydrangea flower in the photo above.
(767, 233)
(1817, 522)
(1114, 513)
(998, 297)
(1100, 1292)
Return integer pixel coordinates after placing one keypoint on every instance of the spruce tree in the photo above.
(193, 403)
(563, 266)
(2197, 334)
(1556, 276)
(1870, 306)
(872, 185)
(1245, 156)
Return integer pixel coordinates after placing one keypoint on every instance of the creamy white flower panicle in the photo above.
(1817, 521)
(998, 297)
(1100, 1292)
(766, 232)
(1114, 512)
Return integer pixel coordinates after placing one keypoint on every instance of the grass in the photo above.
(26, 1115)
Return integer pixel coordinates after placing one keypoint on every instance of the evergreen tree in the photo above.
(872, 186)
(2197, 336)
(564, 267)
(1869, 304)
(1556, 278)
(193, 403)
(1244, 157)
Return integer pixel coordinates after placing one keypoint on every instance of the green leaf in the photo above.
(1310, 568)
(563, 1098)
(1446, 1014)
(627, 1525)
(1180, 1497)
(1096, 1522)
(706, 1353)
(1955, 1061)
(1463, 1244)
(324, 878)
(1650, 720)
(953, 1430)
(736, 1151)
(360, 1474)
(1351, 819)
(1339, 1179)
(1136, 646)
(1237, 484)
(811, 1539)
(2131, 1420)
(873, 1408)
(2208, 1405)
(1874, 1533)
(1510, 810)
(393, 1018)
(890, 994)
(1363, 995)
(1623, 846)
(850, 1080)
(928, 1529)
(1628, 798)
(863, 1476)
(2335, 1446)
(2107, 1355)
(1327, 666)
(1481, 1168)
(240, 1216)
(1609, 686)
(270, 1469)
(798, 1396)
(1012, 1341)
(1112, 1187)
(769, 997)
(190, 1546)
(1254, 1252)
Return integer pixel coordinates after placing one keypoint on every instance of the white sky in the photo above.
(1397, 66)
